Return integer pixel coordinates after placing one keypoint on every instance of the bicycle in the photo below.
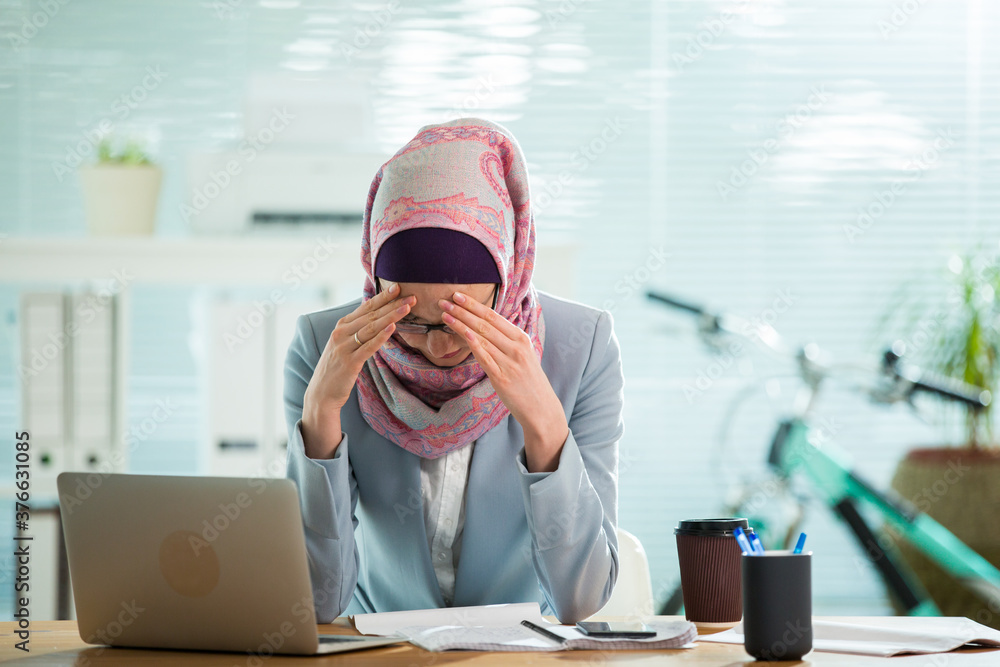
(796, 451)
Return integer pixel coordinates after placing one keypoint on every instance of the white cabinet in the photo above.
(73, 359)
(75, 405)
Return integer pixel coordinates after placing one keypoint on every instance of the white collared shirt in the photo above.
(443, 483)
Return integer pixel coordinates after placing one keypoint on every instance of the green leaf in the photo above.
(132, 152)
(959, 318)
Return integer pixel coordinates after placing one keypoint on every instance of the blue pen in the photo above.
(743, 542)
(801, 543)
(755, 542)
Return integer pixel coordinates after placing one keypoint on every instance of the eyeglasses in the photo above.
(414, 329)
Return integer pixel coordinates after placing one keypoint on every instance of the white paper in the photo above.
(493, 615)
(512, 638)
(665, 630)
(886, 635)
(669, 635)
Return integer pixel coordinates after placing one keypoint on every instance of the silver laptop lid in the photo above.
(205, 563)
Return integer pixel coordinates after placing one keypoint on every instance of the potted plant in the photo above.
(121, 190)
(958, 485)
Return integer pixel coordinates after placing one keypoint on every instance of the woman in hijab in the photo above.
(454, 433)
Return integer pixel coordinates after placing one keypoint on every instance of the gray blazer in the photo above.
(546, 537)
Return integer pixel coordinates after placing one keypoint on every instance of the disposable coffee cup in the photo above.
(777, 605)
(709, 558)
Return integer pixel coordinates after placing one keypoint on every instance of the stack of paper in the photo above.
(498, 628)
(493, 615)
(669, 634)
(887, 635)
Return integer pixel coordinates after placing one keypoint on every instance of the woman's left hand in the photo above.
(506, 354)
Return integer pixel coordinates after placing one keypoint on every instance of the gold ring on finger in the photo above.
(357, 340)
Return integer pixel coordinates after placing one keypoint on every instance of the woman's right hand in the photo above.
(339, 364)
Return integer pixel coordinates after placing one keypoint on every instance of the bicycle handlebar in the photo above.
(676, 303)
(916, 379)
(907, 379)
(709, 324)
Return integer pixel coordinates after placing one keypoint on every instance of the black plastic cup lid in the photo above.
(711, 527)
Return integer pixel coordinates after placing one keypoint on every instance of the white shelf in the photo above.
(319, 259)
(322, 259)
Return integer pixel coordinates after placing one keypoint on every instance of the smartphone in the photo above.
(615, 629)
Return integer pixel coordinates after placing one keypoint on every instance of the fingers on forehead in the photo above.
(379, 300)
(365, 308)
(472, 303)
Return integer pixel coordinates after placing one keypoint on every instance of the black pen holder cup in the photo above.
(777, 605)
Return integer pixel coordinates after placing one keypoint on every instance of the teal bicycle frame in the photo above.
(830, 473)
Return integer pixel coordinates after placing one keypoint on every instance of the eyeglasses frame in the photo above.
(444, 328)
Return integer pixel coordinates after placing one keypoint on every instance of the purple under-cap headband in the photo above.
(435, 255)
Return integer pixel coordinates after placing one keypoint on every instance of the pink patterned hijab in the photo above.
(466, 175)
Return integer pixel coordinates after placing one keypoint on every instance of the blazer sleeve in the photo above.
(573, 511)
(328, 491)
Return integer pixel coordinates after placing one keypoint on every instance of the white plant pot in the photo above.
(120, 199)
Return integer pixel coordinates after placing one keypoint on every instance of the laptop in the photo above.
(198, 563)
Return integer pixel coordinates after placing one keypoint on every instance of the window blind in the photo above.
(750, 155)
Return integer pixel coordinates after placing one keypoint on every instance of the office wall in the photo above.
(635, 118)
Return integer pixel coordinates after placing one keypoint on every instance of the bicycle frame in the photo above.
(830, 472)
(797, 448)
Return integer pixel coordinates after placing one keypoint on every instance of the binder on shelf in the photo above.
(68, 372)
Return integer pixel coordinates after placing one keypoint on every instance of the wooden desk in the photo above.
(57, 643)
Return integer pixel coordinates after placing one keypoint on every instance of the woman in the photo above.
(454, 437)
